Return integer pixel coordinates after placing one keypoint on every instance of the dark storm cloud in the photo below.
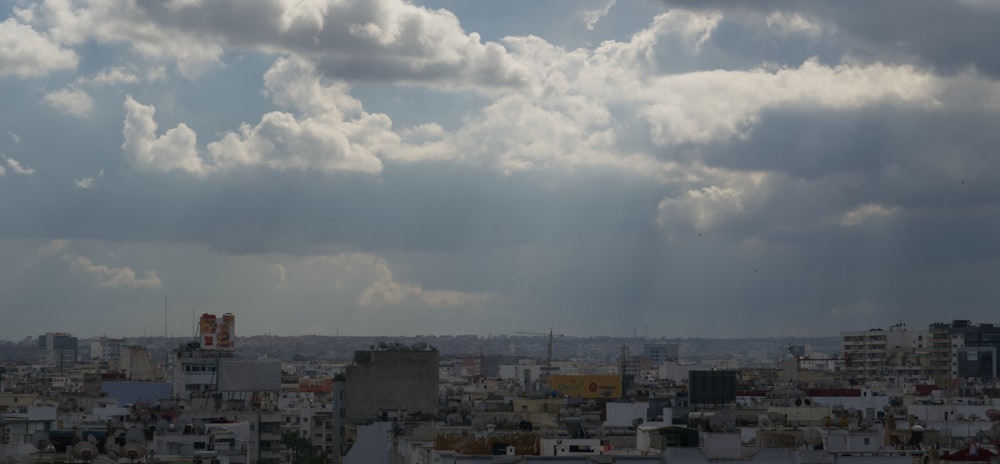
(918, 152)
(950, 36)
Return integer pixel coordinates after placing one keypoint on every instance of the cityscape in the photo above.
(499, 231)
(894, 394)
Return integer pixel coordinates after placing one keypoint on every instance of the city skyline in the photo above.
(675, 168)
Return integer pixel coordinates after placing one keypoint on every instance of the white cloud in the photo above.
(53, 247)
(85, 183)
(14, 136)
(74, 102)
(375, 39)
(368, 278)
(111, 76)
(18, 168)
(711, 106)
(385, 291)
(792, 24)
(116, 276)
(280, 274)
(866, 212)
(691, 28)
(26, 53)
(591, 17)
(125, 23)
(715, 197)
(331, 133)
(174, 150)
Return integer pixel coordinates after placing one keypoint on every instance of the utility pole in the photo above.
(548, 361)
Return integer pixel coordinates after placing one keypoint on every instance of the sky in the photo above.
(681, 168)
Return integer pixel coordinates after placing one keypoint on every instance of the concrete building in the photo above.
(869, 355)
(106, 349)
(137, 364)
(391, 380)
(58, 349)
(973, 349)
(661, 352)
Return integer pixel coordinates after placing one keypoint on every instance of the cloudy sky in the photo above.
(380, 167)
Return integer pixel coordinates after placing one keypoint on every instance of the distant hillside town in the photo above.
(894, 394)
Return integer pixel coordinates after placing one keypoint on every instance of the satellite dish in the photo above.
(40, 439)
(85, 451)
(814, 437)
(133, 451)
(135, 435)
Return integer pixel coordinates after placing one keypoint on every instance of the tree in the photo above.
(300, 450)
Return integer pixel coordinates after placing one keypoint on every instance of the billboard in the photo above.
(206, 331)
(586, 386)
(712, 387)
(216, 333)
(239, 375)
(225, 332)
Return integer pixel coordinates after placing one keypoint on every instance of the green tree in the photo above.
(300, 450)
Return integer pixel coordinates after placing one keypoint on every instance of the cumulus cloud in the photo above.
(14, 136)
(111, 76)
(385, 291)
(25, 52)
(377, 40)
(591, 17)
(54, 247)
(369, 280)
(175, 149)
(115, 277)
(565, 116)
(85, 183)
(792, 24)
(688, 27)
(19, 168)
(864, 213)
(74, 102)
(727, 194)
(711, 106)
(330, 133)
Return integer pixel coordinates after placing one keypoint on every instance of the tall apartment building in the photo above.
(878, 354)
(943, 354)
(107, 350)
(972, 349)
(58, 349)
(393, 380)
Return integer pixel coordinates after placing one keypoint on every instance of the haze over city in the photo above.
(667, 168)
